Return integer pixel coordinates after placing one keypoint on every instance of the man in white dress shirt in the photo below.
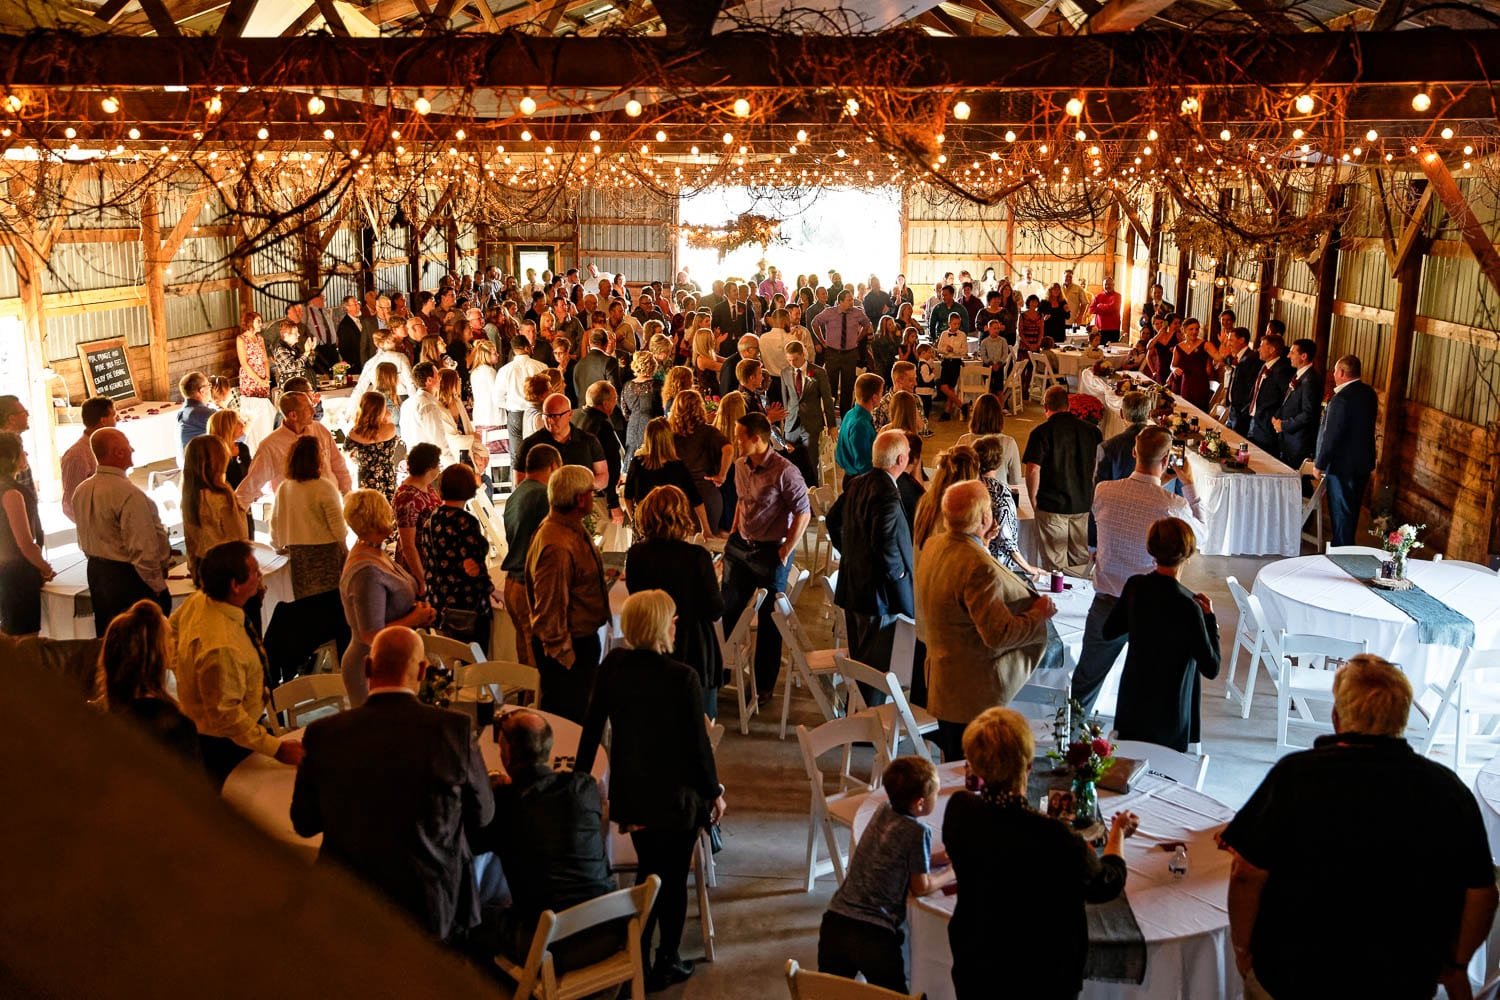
(422, 414)
(78, 461)
(268, 467)
(1124, 510)
(1077, 298)
(121, 532)
(385, 352)
(510, 386)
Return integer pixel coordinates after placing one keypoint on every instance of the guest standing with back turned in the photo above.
(1346, 447)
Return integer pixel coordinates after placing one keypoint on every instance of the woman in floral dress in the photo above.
(372, 443)
(453, 550)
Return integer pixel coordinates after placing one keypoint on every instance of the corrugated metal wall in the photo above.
(610, 238)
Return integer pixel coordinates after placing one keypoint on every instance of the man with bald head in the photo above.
(398, 789)
(121, 532)
(576, 445)
(979, 649)
(268, 467)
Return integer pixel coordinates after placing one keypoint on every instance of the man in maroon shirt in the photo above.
(1104, 313)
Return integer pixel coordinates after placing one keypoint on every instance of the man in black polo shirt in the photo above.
(577, 447)
(1059, 468)
(1360, 868)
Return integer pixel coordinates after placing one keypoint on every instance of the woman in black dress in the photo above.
(654, 464)
(1003, 851)
(23, 567)
(1174, 638)
(133, 672)
(454, 549)
(663, 559)
(663, 785)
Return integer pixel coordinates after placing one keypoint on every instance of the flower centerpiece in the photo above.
(1177, 424)
(1213, 447)
(437, 687)
(1398, 543)
(711, 406)
(1085, 407)
(1082, 747)
(1103, 369)
(340, 371)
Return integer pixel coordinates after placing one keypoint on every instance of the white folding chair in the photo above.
(829, 583)
(796, 579)
(1249, 637)
(896, 716)
(304, 697)
(839, 808)
(1015, 392)
(973, 382)
(738, 649)
(1477, 567)
(1312, 510)
(809, 667)
(904, 651)
(1164, 762)
(1469, 699)
(503, 679)
(538, 978)
(491, 523)
(1355, 550)
(1043, 375)
(804, 984)
(450, 653)
(1304, 682)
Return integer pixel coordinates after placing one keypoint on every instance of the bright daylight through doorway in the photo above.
(856, 232)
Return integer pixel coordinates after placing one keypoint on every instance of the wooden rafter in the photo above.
(110, 10)
(999, 9)
(1268, 16)
(333, 18)
(1132, 216)
(486, 16)
(1411, 237)
(1457, 206)
(1123, 15)
(235, 18)
(161, 21)
(1389, 15)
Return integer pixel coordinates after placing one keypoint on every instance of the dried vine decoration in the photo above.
(746, 229)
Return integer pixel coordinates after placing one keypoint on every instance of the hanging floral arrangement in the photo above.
(746, 229)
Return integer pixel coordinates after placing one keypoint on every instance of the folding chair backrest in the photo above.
(304, 695)
(1183, 768)
(904, 650)
(1251, 614)
(804, 984)
(853, 671)
(503, 675)
(739, 636)
(842, 734)
(635, 901)
(796, 580)
(450, 652)
(1354, 550)
(1305, 646)
(633, 904)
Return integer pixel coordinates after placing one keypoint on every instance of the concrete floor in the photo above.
(761, 913)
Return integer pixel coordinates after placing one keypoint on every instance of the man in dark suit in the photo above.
(809, 403)
(1268, 392)
(748, 347)
(1297, 420)
(1346, 447)
(1241, 366)
(350, 333)
(598, 364)
(731, 318)
(869, 529)
(397, 788)
(600, 400)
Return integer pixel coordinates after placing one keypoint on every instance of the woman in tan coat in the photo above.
(985, 629)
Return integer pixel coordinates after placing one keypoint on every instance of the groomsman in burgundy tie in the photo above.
(1270, 391)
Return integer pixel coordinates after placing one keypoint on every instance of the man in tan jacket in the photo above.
(985, 630)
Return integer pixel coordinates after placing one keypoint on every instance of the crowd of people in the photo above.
(689, 414)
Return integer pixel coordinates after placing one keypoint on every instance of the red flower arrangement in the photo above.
(1085, 407)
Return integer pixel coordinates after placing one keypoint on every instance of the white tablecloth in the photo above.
(59, 594)
(1487, 791)
(1246, 513)
(1051, 686)
(156, 437)
(1185, 921)
(261, 787)
(1074, 363)
(1312, 595)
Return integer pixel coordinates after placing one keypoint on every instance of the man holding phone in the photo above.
(1124, 511)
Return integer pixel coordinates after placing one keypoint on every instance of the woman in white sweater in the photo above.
(307, 523)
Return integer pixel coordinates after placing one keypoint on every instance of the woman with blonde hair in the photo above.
(210, 512)
(434, 350)
(229, 427)
(731, 408)
(133, 664)
(663, 559)
(372, 444)
(706, 452)
(956, 465)
(706, 362)
(640, 399)
(656, 464)
(462, 445)
(484, 365)
(679, 378)
(663, 785)
(535, 389)
(904, 412)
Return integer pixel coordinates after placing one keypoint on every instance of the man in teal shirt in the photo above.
(857, 429)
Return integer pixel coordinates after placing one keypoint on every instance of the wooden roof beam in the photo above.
(1457, 206)
(1122, 15)
(999, 9)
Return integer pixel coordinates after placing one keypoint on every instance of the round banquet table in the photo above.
(1185, 922)
(1313, 595)
(1487, 791)
(260, 788)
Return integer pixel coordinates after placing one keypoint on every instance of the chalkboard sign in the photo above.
(106, 367)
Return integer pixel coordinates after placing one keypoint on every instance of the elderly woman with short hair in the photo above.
(663, 785)
(985, 833)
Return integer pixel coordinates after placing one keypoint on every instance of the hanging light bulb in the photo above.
(328, 134)
(1371, 135)
(1074, 107)
(214, 105)
(1190, 106)
(1446, 133)
(1305, 104)
(111, 105)
(1421, 101)
(741, 108)
(961, 111)
(315, 105)
(851, 107)
(1010, 136)
(134, 133)
(528, 105)
(633, 108)
(1225, 135)
(525, 135)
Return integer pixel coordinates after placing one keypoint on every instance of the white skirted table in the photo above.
(1258, 512)
(66, 613)
(1313, 595)
(260, 787)
(1072, 361)
(151, 428)
(1185, 922)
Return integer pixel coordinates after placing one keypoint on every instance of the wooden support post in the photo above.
(1397, 372)
(1184, 269)
(1446, 188)
(1154, 243)
(451, 239)
(1263, 307)
(155, 264)
(1328, 272)
(905, 218)
(1010, 240)
(1111, 238)
(1129, 283)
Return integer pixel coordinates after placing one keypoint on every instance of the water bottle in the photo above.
(1178, 866)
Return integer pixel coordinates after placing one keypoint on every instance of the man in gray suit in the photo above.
(809, 409)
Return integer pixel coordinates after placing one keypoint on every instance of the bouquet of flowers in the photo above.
(1103, 369)
(437, 687)
(1085, 407)
(340, 370)
(1213, 447)
(711, 406)
(1397, 541)
(1082, 746)
(1176, 423)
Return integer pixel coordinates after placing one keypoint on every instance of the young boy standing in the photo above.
(864, 927)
